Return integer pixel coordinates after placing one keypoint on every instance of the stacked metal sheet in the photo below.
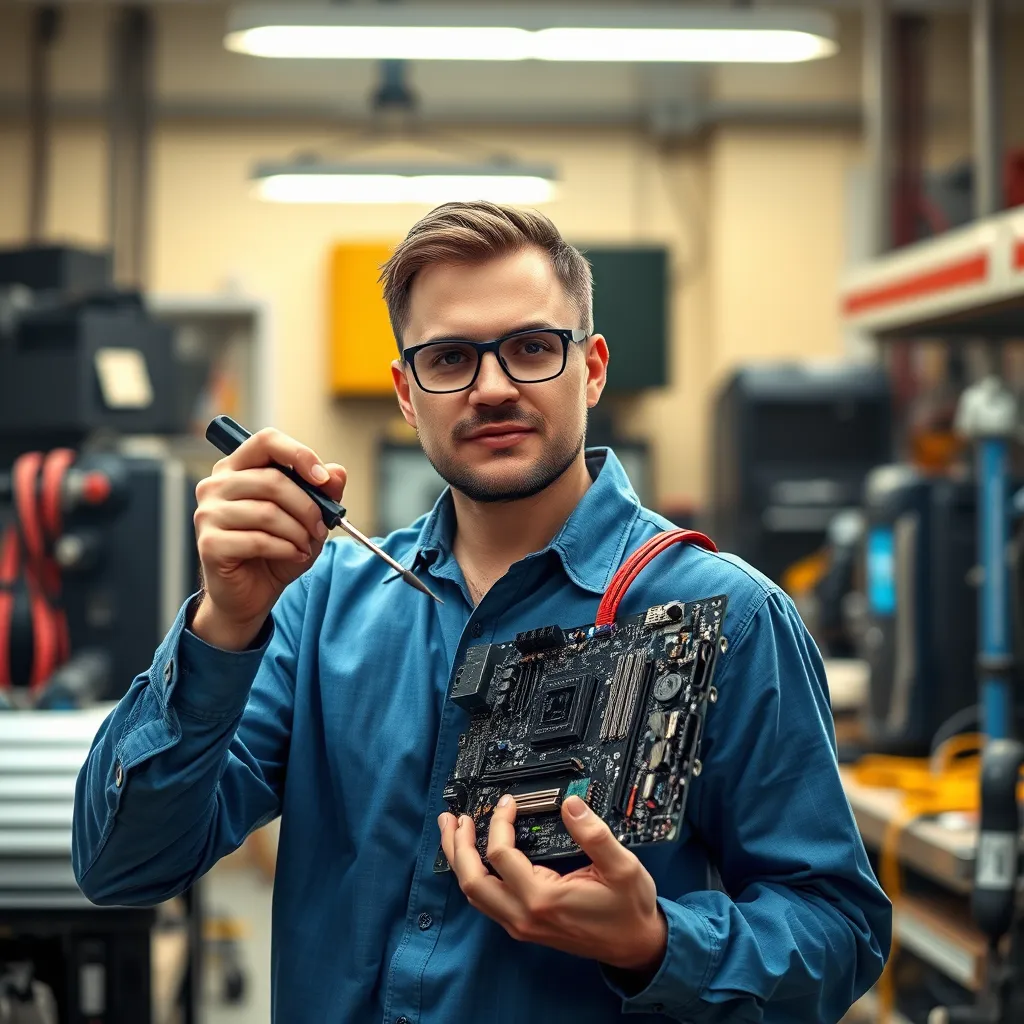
(41, 753)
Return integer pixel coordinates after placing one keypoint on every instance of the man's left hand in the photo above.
(606, 911)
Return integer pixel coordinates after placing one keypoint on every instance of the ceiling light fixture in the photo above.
(512, 33)
(428, 183)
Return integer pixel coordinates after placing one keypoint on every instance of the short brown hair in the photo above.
(474, 232)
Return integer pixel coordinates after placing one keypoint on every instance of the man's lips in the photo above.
(500, 433)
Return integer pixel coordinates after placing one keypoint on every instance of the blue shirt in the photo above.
(339, 723)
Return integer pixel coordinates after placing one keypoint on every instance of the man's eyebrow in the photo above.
(536, 325)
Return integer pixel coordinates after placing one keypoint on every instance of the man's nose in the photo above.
(492, 385)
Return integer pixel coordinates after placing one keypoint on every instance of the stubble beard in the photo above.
(556, 457)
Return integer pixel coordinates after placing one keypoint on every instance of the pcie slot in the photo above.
(570, 766)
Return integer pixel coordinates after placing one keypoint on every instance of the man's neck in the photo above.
(491, 536)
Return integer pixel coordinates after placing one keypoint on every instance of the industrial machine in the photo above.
(791, 447)
(917, 627)
(96, 556)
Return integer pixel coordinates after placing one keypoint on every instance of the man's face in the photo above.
(545, 421)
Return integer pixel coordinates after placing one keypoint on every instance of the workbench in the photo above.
(936, 928)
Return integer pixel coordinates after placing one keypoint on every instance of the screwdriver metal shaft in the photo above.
(406, 574)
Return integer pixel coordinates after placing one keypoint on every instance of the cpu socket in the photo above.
(561, 710)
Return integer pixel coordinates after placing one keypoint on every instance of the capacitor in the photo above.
(667, 687)
(649, 786)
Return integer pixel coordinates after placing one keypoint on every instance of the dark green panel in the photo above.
(631, 311)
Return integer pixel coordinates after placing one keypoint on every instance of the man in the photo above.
(322, 697)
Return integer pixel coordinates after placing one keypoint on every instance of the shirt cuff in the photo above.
(690, 955)
(204, 681)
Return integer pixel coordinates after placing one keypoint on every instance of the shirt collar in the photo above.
(591, 543)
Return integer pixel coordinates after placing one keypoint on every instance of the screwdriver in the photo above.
(226, 435)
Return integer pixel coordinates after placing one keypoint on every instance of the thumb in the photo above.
(335, 487)
(596, 840)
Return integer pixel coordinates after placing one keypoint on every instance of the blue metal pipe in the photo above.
(993, 605)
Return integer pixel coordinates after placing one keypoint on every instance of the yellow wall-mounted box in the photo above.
(361, 342)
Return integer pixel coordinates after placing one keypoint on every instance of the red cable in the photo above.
(55, 468)
(634, 565)
(24, 477)
(37, 483)
(8, 574)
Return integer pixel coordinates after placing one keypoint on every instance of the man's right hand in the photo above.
(257, 532)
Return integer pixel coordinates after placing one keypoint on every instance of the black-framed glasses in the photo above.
(527, 357)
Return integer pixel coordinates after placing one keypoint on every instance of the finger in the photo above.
(268, 485)
(512, 864)
(270, 445)
(597, 841)
(446, 823)
(335, 487)
(486, 893)
(242, 545)
(248, 514)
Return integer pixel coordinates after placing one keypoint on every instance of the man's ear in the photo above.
(400, 377)
(597, 368)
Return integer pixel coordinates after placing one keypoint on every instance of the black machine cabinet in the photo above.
(50, 373)
(919, 634)
(96, 962)
(789, 449)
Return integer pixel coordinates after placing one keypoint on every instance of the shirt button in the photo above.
(658, 1007)
(168, 671)
(118, 774)
(425, 921)
(401, 1020)
(478, 629)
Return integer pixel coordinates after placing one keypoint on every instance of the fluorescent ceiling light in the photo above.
(429, 184)
(495, 32)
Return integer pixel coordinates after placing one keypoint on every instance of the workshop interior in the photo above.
(805, 222)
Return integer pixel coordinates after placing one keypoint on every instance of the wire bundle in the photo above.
(634, 565)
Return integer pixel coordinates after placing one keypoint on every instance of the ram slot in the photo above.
(527, 684)
(613, 697)
(636, 667)
(622, 693)
(637, 690)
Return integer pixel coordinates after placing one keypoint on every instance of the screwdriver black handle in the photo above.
(226, 435)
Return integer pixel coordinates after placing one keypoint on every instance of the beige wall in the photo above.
(753, 217)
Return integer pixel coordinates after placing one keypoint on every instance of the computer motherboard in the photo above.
(612, 713)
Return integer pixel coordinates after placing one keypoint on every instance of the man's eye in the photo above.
(450, 357)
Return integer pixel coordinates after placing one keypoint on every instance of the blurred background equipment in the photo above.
(96, 556)
(917, 627)
(791, 447)
(97, 552)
